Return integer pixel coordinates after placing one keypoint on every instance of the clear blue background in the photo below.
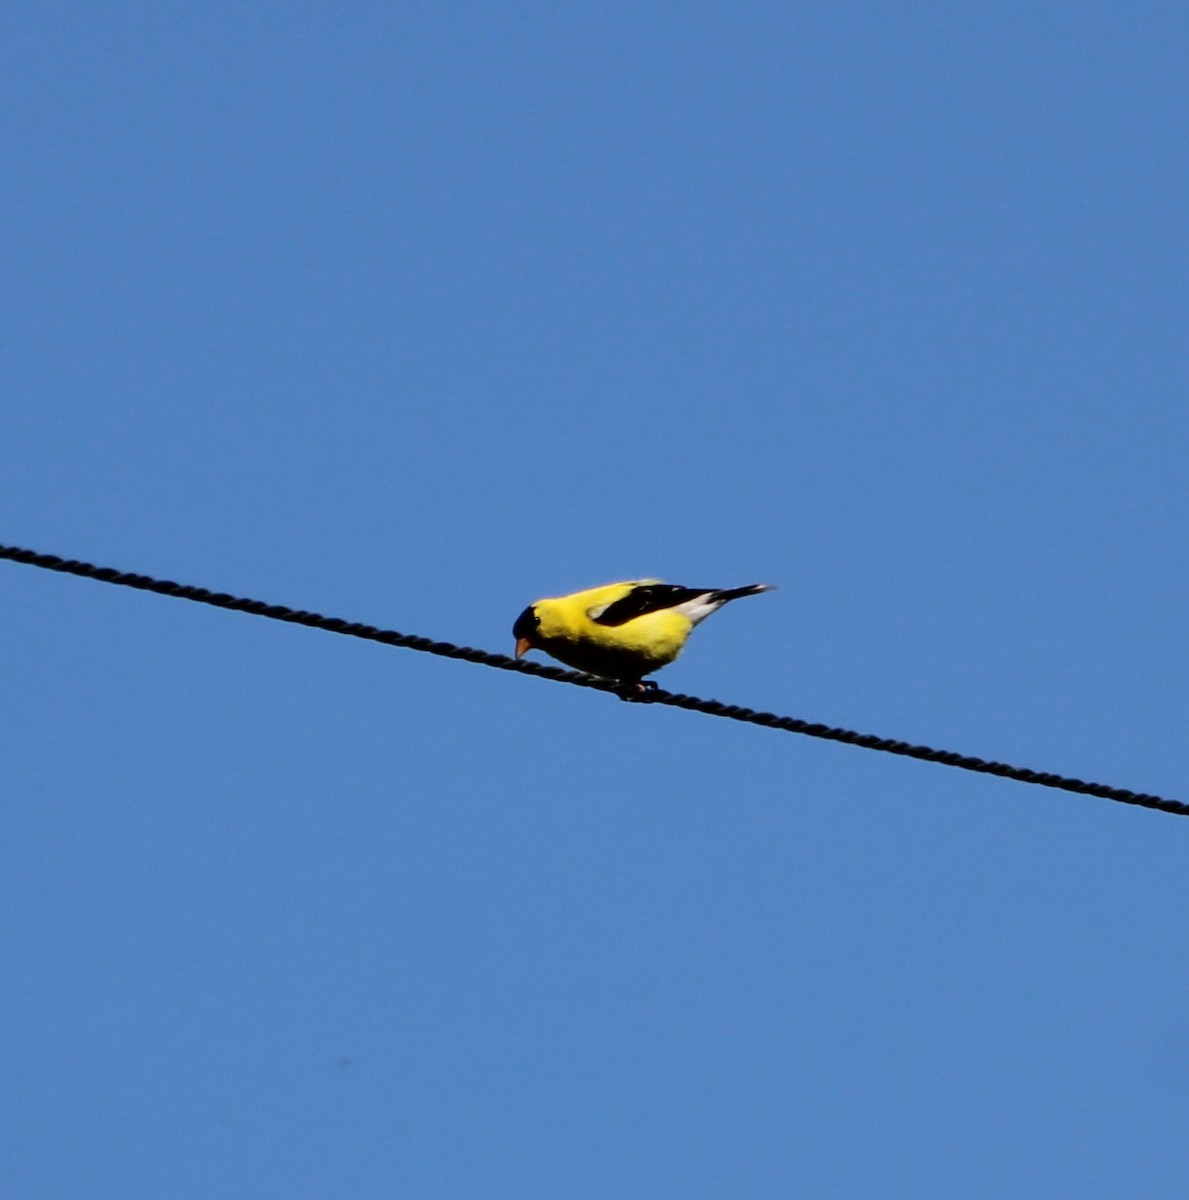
(414, 313)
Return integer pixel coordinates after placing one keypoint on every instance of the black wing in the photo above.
(647, 598)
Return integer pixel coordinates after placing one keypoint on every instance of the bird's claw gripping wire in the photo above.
(639, 690)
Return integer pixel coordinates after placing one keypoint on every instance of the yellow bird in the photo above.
(621, 631)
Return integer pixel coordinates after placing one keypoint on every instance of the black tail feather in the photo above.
(752, 589)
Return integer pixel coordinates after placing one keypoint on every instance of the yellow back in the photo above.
(566, 621)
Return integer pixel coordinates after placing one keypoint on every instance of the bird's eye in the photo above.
(526, 623)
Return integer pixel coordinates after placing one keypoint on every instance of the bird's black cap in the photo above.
(526, 624)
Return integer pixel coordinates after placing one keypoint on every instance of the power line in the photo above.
(713, 708)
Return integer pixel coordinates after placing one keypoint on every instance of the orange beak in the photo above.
(523, 646)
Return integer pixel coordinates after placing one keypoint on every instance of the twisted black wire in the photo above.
(713, 708)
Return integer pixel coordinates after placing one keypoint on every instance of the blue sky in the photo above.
(412, 314)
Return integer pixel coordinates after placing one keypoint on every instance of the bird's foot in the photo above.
(639, 690)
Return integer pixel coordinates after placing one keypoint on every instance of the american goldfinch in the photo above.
(621, 631)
